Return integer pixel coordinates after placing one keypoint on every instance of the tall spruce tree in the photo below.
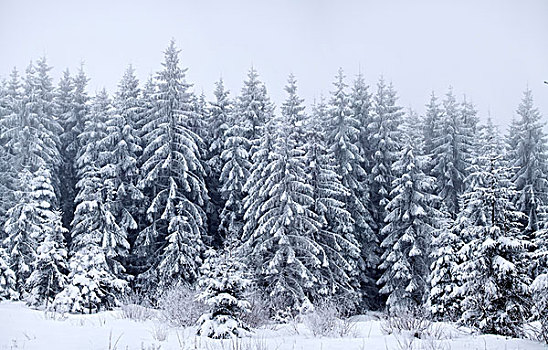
(220, 120)
(492, 273)
(530, 160)
(340, 277)
(280, 223)
(450, 157)
(409, 226)
(173, 180)
(342, 130)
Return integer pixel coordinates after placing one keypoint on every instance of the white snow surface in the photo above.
(25, 328)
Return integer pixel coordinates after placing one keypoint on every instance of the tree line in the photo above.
(355, 200)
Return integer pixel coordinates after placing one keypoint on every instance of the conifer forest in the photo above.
(350, 199)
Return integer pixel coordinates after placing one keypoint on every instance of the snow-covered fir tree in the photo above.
(234, 174)
(408, 231)
(220, 120)
(29, 223)
(8, 286)
(279, 221)
(530, 162)
(255, 109)
(72, 105)
(385, 140)
(432, 116)
(120, 147)
(50, 267)
(449, 156)
(173, 180)
(95, 272)
(340, 276)
(493, 276)
(361, 106)
(342, 132)
(443, 301)
(10, 105)
(223, 285)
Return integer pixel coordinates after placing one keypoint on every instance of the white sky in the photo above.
(489, 50)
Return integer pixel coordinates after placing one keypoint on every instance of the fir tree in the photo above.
(223, 284)
(255, 109)
(432, 117)
(279, 221)
(342, 131)
(98, 241)
(8, 286)
(71, 100)
(443, 299)
(450, 158)
(385, 141)
(172, 175)
(530, 161)
(50, 267)
(220, 120)
(340, 276)
(494, 283)
(409, 227)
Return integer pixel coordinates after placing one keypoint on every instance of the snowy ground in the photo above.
(24, 328)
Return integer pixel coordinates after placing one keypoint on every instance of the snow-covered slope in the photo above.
(24, 328)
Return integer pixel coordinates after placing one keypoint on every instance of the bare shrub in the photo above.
(413, 321)
(258, 314)
(159, 332)
(136, 307)
(179, 307)
(326, 320)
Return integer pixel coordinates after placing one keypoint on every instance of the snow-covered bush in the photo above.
(223, 286)
(8, 288)
(178, 305)
(258, 314)
(413, 321)
(539, 291)
(326, 320)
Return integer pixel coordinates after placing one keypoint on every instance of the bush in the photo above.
(539, 291)
(415, 322)
(136, 307)
(179, 307)
(326, 320)
(258, 314)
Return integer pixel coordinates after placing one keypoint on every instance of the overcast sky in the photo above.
(489, 50)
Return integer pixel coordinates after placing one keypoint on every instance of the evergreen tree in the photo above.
(340, 276)
(50, 267)
(255, 109)
(279, 221)
(172, 177)
(530, 161)
(235, 173)
(443, 299)
(450, 158)
(223, 284)
(432, 117)
(94, 280)
(71, 100)
(220, 120)
(385, 141)
(409, 227)
(119, 149)
(342, 131)
(10, 108)
(22, 227)
(494, 283)
(8, 286)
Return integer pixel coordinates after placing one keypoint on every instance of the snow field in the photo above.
(24, 328)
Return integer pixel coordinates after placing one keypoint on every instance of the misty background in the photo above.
(490, 50)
